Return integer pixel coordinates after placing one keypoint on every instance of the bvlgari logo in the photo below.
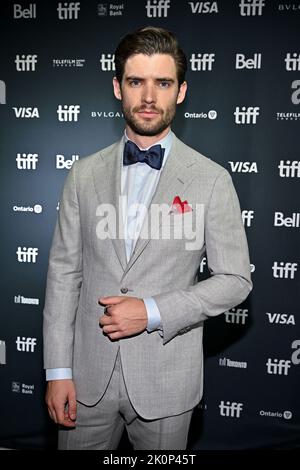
(107, 114)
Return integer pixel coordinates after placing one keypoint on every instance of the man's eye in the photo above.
(134, 82)
(164, 84)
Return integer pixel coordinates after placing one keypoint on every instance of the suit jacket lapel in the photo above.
(107, 181)
(174, 179)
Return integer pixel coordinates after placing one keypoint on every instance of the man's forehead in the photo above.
(155, 63)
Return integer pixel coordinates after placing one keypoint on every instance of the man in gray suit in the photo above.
(124, 311)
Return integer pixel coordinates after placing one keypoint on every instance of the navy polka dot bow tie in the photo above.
(153, 156)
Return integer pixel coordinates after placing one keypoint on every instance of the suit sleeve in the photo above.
(228, 263)
(63, 281)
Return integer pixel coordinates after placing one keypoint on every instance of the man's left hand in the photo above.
(124, 316)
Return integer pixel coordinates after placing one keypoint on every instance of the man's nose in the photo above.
(149, 94)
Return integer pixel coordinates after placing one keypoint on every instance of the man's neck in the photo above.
(144, 141)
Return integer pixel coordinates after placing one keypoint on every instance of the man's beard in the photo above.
(149, 128)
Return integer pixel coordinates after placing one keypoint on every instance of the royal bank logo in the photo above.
(236, 316)
(26, 344)
(68, 113)
(251, 7)
(62, 163)
(231, 409)
(282, 270)
(20, 299)
(202, 62)
(157, 8)
(243, 167)
(27, 161)
(280, 318)
(278, 366)
(292, 62)
(2, 92)
(26, 63)
(107, 62)
(68, 10)
(289, 169)
(281, 221)
(212, 115)
(225, 362)
(204, 7)
(68, 63)
(111, 9)
(2, 352)
(27, 254)
(107, 114)
(27, 113)
(241, 62)
(246, 115)
(20, 13)
(18, 387)
(247, 217)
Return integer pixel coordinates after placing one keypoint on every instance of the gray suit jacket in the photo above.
(163, 373)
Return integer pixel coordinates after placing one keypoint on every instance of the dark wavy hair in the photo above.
(149, 41)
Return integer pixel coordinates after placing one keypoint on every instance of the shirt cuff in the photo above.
(59, 373)
(154, 318)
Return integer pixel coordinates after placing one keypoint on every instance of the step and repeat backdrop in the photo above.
(242, 110)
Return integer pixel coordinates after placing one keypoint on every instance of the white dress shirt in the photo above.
(138, 183)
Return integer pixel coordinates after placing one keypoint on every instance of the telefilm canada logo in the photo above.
(68, 63)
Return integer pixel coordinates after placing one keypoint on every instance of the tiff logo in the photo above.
(236, 315)
(27, 255)
(292, 62)
(247, 217)
(26, 63)
(284, 270)
(242, 63)
(68, 113)
(25, 344)
(289, 169)
(246, 115)
(25, 13)
(278, 367)
(202, 62)
(231, 410)
(157, 8)
(2, 92)
(27, 161)
(251, 7)
(68, 11)
(107, 62)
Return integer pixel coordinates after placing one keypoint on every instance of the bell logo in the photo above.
(63, 163)
(242, 63)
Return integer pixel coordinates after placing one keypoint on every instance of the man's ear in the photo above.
(182, 92)
(117, 88)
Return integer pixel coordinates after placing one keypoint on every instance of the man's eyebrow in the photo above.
(160, 79)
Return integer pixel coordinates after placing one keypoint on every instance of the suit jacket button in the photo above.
(124, 290)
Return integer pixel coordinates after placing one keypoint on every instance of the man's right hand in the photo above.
(61, 402)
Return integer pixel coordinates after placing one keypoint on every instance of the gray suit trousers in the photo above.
(100, 427)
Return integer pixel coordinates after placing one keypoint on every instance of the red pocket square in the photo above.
(179, 206)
